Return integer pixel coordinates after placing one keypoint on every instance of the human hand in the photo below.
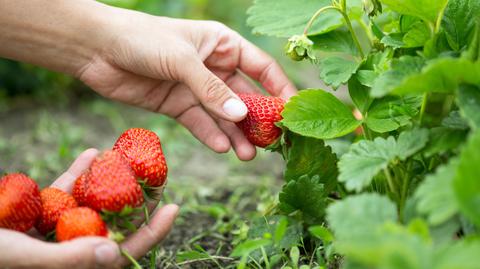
(22, 251)
(187, 70)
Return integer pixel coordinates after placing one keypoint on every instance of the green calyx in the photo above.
(299, 47)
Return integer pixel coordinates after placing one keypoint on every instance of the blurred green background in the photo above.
(48, 118)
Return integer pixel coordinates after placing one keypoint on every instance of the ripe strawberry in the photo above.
(142, 148)
(263, 112)
(111, 184)
(54, 203)
(20, 203)
(78, 191)
(78, 222)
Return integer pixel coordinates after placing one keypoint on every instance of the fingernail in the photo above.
(235, 108)
(106, 254)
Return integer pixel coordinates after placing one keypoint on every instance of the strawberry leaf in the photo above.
(366, 213)
(390, 113)
(443, 139)
(367, 158)
(401, 69)
(428, 10)
(318, 114)
(305, 194)
(310, 156)
(435, 195)
(442, 75)
(284, 18)
(469, 103)
(466, 183)
(339, 57)
(458, 23)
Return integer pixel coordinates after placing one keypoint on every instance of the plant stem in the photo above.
(131, 259)
(315, 16)
(423, 107)
(391, 185)
(153, 256)
(403, 195)
(343, 11)
(366, 132)
(352, 32)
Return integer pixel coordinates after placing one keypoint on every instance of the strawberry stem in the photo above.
(135, 264)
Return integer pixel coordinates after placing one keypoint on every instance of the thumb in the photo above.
(87, 252)
(213, 93)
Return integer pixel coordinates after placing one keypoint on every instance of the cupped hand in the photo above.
(188, 70)
(22, 251)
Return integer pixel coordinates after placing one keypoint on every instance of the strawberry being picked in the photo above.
(78, 222)
(142, 148)
(263, 112)
(20, 204)
(78, 191)
(54, 203)
(111, 185)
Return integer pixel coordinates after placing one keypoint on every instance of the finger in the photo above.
(261, 67)
(139, 243)
(239, 83)
(204, 128)
(212, 92)
(87, 252)
(243, 148)
(66, 180)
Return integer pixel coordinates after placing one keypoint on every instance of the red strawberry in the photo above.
(20, 204)
(263, 112)
(111, 184)
(54, 202)
(78, 222)
(78, 191)
(142, 148)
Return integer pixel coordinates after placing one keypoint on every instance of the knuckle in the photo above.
(214, 90)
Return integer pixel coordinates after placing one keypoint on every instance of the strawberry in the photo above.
(20, 203)
(78, 191)
(263, 112)
(142, 148)
(78, 222)
(54, 202)
(111, 185)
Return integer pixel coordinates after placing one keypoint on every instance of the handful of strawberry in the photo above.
(109, 193)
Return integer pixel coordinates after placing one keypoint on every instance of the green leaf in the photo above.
(284, 18)
(367, 158)
(360, 215)
(306, 194)
(394, 40)
(318, 114)
(390, 113)
(461, 254)
(359, 93)
(469, 104)
(249, 246)
(339, 57)
(466, 183)
(321, 233)
(417, 36)
(336, 70)
(275, 225)
(191, 255)
(401, 69)
(310, 156)
(458, 22)
(455, 121)
(441, 75)
(428, 10)
(435, 194)
(443, 139)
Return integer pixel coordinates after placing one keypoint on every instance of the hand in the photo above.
(186, 70)
(22, 251)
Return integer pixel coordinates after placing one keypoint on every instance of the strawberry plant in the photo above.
(398, 185)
